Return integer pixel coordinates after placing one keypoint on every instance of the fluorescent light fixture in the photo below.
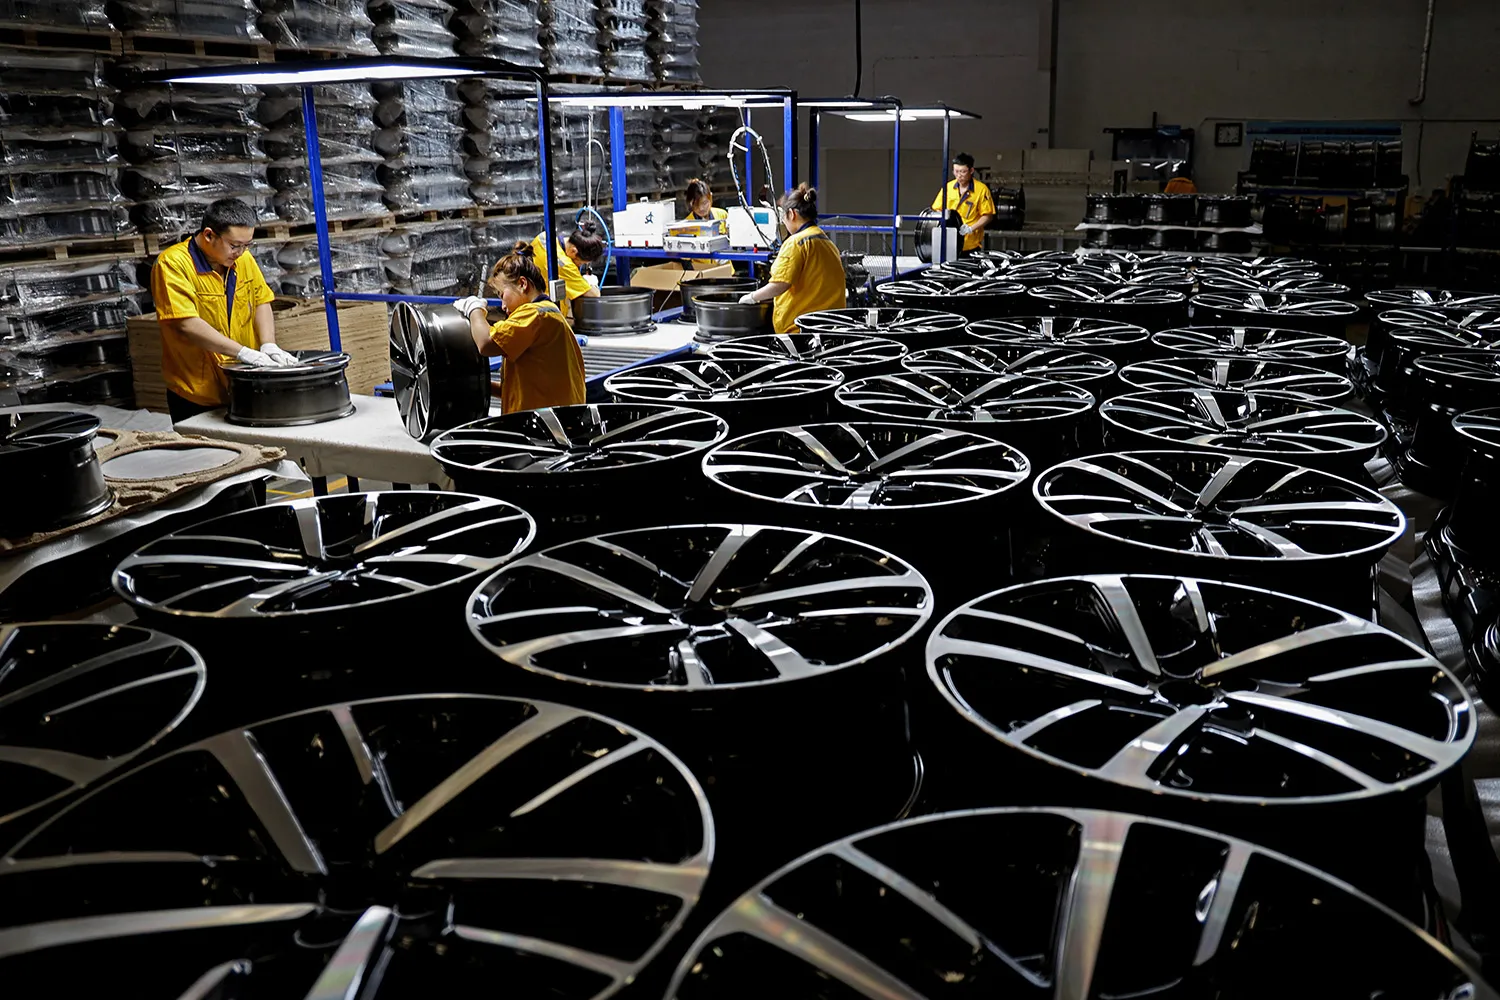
(272, 77)
(911, 115)
(686, 100)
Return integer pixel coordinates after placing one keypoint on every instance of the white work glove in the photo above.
(250, 356)
(965, 229)
(748, 299)
(276, 354)
(591, 280)
(465, 306)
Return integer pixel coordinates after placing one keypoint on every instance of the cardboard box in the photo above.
(664, 279)
(364, 332)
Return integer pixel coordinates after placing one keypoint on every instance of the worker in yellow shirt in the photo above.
(214, 307)
(543, 365)
(1180, 183)
(808, 274)
(971, 199)
(700, 205)
(583, 246)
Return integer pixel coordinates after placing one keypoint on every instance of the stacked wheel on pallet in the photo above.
(588, 468)
(974, 298)
(1244, 309)
(1256, 343)
(1449, 385)
(770, 658)
(747, 394)
(436, 842)
(1141, 305)
(854, 354)
(1059, 901)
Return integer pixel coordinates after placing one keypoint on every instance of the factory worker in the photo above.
(213, 306)
(808, 274)
(971, 199)
(543, 365)
(583, 246)
(700, 205)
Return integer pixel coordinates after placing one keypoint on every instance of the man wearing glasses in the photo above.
(214, 307)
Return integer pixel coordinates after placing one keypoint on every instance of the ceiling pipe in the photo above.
(1426, 52)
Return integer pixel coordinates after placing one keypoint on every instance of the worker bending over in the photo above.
(808, 274)
(213, 307)
(971, 199)
(583, 246)
(700, 205)
(543, 365)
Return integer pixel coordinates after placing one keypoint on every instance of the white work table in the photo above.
(370, 443)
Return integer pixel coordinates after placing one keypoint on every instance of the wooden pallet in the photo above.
(125, 246)
(160, 43)
(103, 41)
(283, 231)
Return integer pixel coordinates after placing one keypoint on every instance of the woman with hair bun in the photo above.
(583, 246)
(808, 274)
(543, 365)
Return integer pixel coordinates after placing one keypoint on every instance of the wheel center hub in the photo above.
(703, 617)
(1183, 692)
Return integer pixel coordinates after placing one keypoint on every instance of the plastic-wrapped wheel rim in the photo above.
(79, 701)
(332, 555)
(409, 844)
(1056, 364)
(1215, 691)
(1062, 902)
(1259, 343)
(1237, 374)
(1256, 424)
(1117, 341)
(742, 392)
(851, 353)
(440, 378)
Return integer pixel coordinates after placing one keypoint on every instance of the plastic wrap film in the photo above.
(499, 146)
(61, 313)
(431, 259)
(264, 253)
(494, 237)
(498, 29)
(355, 256)
(54, 90)
(422, 138)
(413, 28)
(352, 187)
(341, 26)
(206, 19)
(87, 15)
(673, 41)
(570, 37)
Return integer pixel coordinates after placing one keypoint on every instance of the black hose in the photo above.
(859, 47)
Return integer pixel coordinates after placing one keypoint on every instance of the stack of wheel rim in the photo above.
(747, 393)
(1327, 316)
(1152, 307)
(1399, 337)
(1256, 343)
(980, 297)
(1451, 384)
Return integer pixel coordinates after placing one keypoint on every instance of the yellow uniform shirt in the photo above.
(704, 263)
(566, 270)
(184, 284)
(970, 206)
(810, 263)
(1180, 185)
(543, 365)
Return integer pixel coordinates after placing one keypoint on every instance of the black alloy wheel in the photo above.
(703, 632)
(1112, 274)
(1329, 317)
(972, 297)
(1451, 384)
(428, 845)
(1439, 299)
(1060, 902)
(560, 461)
(1263, 273)
(1120, 342)
(1257, 343)
(1027, 272)
(748, 394)
(1273, 284)
(1254, 424)
(314, 390)
(1047, 420)
(79, 701)
(917, 328)
(1241, 374)
(1093, 372)
(441, 379)
(1391, 357)
(1150, 307)
(899, 486)
(1249, 520)
(1470, 521)
(47, 460)
(854, 354)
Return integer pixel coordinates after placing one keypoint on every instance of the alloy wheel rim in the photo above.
(708, 380)
(837, 350)
(1056, 364)
(1243, 374)
(1260, 342)
(967, 397)
(1060, 331)
(886, 320)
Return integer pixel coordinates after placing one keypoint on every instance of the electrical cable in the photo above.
(859, 47)
(609, 238)
(739, 186)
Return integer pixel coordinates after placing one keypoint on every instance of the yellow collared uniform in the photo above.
(704, 263)
(977, 202)
(566, 270)
(543, 365)
(810, 263)
(183, 285)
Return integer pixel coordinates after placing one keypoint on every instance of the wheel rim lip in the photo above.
(1477, 321)
(1135, 371)
(855, 321)
(1481, 427)
(890, 350)
(1099, 367)
(1080, 331)
(148, 640)
(1276, 304)
(920, 618)
(322, 363)
(1140, 296)
(830, 378)
(642, 410)
(1109, 406)
(1481, 367)
(992, 289)
(1084, 403)
(1214, 346)
(1443, 301)
(1465, 710)
(1307, 288)
(74, 427)
(499, 507)
(977, 440)
(715, 931)
(706, 853)
(1144, 274)
(1311, 558)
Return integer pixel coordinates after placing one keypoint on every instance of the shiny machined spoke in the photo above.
(835, 350)
(715, 379)
(879, 320)
(1274, 284)
(1064, 331)
(1056, 364)
(1123, 295)
(1442, 300)
(590, 436)
(1274, 304)
(1259, 420)
(1229, 373)
(1279, 701)
(959, 390)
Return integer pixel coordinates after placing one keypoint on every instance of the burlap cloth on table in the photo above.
(132, 495)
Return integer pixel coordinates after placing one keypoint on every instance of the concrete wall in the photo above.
(1117, 62)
